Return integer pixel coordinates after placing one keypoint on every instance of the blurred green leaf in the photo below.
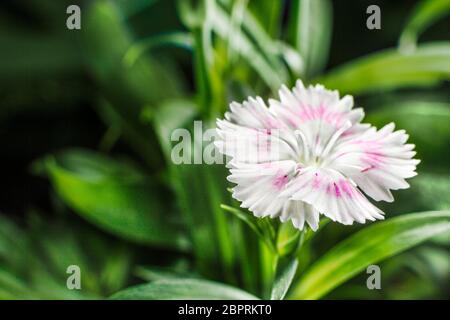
(284, 275)
(268, 14)
(370, 245)
(434, 190)
(115, 196)
(132, 7)
(248, 218)
(222, 24)
(178, 39)
(271, 49)
(258, 225)
(423, 16)
(151, 273)
(26, 55)
(208, 224)
(436, 263)
(391, 69)
(183, 289)
(170, 115)
(146, 82)
(34, 260)
(310, 29)
(126, 89)
(13, 288)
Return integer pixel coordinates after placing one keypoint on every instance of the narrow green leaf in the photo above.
(268, 14)
(262, 227)
(433, 190)
(116, 196)
(208, 224)
(391, 69)
(284, 275)
(270, 48)
(249, 219)
(310, 28)
(183, 289)
(370, 245)
(177, 39)
(130, 8)
(423, 16)
(239, 42)
(147, 81)
(150, 273)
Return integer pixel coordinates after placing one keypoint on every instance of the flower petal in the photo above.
(300, 212)
(252, 134)
(377, 161)
(258, 185)
(255, 145)
(332, 194)
(318, 114)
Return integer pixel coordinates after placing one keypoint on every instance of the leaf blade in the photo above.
(114, 196)
(390, 69)
(424, 15)
(283, 279)
(311, 28)
(183, 289)
(368, 246)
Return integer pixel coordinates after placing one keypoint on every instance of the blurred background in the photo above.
(86, 115)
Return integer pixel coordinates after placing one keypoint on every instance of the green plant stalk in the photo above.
(201, 71)
(244, 247)
(267, 268)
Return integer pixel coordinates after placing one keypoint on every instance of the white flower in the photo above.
(308, 153)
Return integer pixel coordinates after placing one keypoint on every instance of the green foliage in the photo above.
(424, 15)
(391, 69)
(34, 261)
(116, 196)
(283, 279)
(369, 246)
(183, 289)
(311, 27)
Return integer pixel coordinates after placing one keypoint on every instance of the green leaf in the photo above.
(370, 245)
(311, 28)
(268, 14)
(34, 260)
(423, 16)
(177, 39)
(115, 196)
(145, 82)
(130, 8)
(200, 189)
(434, 190)
(151, 273)
(270, 49)
(126, 88)
(183, 289)
(52, 55)
(262, 228)
(391, 69)
(284, 275)
(241, 43)
(248, 218)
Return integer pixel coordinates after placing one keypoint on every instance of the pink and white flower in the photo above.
(308, 154)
